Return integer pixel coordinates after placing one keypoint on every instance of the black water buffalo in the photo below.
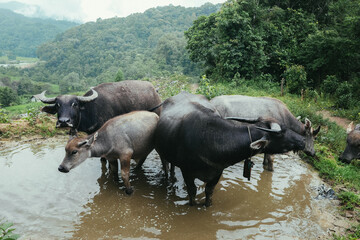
(192, 135)
(254, 107)
(352, 150)
(89, 112)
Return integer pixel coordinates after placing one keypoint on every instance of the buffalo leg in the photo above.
(140, 163)
(268, 162)
(114, 166)
(125, 172)
(209, 190)
(191, 187)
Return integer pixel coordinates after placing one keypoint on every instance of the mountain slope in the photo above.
(142, 44)
(20, 35)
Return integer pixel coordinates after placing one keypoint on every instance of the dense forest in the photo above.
(313, 46)
(20, 35)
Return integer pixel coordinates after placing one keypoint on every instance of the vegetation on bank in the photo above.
(7, 232)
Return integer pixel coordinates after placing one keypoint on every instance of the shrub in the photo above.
(295, 77)
(4, 117)
(344, 95)
(6, 232)
(206, 88)
(330, 84)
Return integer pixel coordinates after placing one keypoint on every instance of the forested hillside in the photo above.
(141, 45)
(20, 35)
(313, 45)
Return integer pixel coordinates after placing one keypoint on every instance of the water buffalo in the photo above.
(254, 107)
(125, 137)
(192, 135)
(352, 150)
(89, 112)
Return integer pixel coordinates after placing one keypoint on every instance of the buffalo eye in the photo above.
(74, 104)
(57, 104)
(74, 152)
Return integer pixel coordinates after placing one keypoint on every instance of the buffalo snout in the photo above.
(310, 153)
(63, 169)
(64, 122)
(345, 159)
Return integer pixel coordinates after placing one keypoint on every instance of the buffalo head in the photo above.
(278, 139)
(352, 149)
(77, 151)
(310, 135)
(67, 107)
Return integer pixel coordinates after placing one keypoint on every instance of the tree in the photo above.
(7, 96)
(119, 75)
(71, 83)
(230, 41)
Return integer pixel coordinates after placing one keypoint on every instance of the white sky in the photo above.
(90, 10)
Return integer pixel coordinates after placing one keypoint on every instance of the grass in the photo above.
(5, 60)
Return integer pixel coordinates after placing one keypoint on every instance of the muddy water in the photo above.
(88, 204)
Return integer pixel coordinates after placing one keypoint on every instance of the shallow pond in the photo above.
(87, 203)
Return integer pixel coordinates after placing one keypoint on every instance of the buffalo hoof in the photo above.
(268, 168)
(129, 191)
(208, 203)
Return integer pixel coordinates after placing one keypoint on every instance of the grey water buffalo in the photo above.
(125, 137)
(192, 135)
(89, 112)
(352, 149)
(254, 107)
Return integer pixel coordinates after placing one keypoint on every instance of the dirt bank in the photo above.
(342, 122)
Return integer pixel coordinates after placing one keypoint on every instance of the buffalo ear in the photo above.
(92, 140)
(259, 144)
(49, 109)
(307, 123)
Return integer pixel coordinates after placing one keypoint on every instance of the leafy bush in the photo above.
(206, 88)
(295, 77)
(31, 115)
(7, 96)
(4, 117)
(6, 232)
(344, 95)
(330, 84)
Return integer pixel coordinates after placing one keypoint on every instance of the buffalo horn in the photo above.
(316, 131)
(44, 99)
(90, 98)
(275, 128)
(247, 120)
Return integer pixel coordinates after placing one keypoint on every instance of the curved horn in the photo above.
(316, 131)
(273, 129)
(44, 99)
(90, 98)
(247, 120)
(275, 126)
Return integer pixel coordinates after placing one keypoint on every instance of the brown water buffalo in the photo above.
(192, 135)
(255, 107)
(352, 150)
(89, 112)
(125, 137)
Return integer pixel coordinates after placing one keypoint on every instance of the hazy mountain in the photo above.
(27, 10)
(20, 35)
